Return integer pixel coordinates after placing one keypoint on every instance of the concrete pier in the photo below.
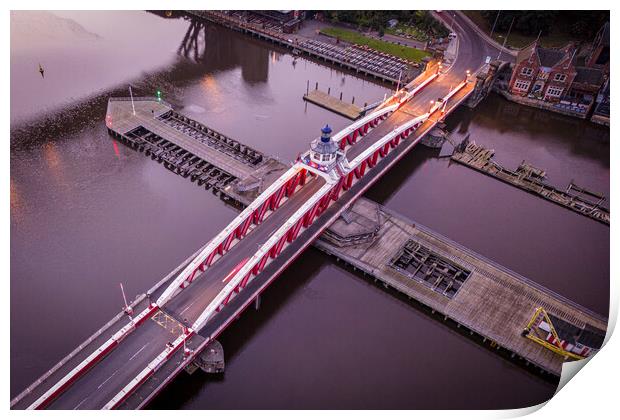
(489, 302)
(191, 149)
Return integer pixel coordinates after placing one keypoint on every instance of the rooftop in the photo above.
(588, 75)
(548, 57)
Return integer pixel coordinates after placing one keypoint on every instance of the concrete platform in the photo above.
(493, 304)
(191, 149)
(120, 118)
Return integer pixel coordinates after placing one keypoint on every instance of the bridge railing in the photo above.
(316, 204)
(287, 233)
(381, 148)
(356, 168)
(149, 370)
(419, 87)
(138, 99)
(254, 214)
(313, 207)
(91, 360)
(350, 134)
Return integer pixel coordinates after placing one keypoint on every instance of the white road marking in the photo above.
(104, 382)
(138, 352)
(188, 306)
(81, 402)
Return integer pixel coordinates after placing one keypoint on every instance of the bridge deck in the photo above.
(493, 302)
(101, 383)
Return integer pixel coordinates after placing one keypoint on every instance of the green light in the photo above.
(158, 94)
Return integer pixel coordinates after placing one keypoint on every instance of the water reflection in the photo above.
(218, 49)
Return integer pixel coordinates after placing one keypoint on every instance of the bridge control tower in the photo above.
(324, 151)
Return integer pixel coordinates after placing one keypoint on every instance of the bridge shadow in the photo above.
(398, 175)
(459, 121)
(186, 387)
(217, 48)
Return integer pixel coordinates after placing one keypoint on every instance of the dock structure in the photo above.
(355, 58)
(532, 179)
(489, 302)
(334, 104)
(191, 149)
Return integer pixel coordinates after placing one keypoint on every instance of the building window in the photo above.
(317, 156)
(554, 91)
(560, 77)
(522, 85)
(527, 71)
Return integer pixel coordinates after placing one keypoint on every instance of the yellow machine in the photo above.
(531, 333)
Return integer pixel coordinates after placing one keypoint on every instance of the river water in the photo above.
(88, 213)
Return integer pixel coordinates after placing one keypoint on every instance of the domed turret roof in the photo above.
(323, 147)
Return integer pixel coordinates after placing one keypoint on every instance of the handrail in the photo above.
(139, 99)
(234, 224)
(258, 255)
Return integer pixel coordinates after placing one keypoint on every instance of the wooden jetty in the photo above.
(486, 301)
(532, 179)
(334, 104)
(191, 149)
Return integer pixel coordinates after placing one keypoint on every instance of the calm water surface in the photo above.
(88, 213)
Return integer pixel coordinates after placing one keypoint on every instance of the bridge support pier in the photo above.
(257, 303)
(210, 360)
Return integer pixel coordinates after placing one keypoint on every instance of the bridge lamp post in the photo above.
(127, 309)
(467, 73)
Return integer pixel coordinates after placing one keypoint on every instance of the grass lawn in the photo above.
(412, 31)
(552, 40)
(402, 51)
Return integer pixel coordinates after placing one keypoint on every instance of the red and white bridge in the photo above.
(230, 271)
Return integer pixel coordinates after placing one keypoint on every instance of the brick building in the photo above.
(543, 73)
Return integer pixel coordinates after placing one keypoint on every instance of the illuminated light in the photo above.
(158, 95)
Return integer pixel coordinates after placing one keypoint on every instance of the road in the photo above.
(101, 383)
(471, 56)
